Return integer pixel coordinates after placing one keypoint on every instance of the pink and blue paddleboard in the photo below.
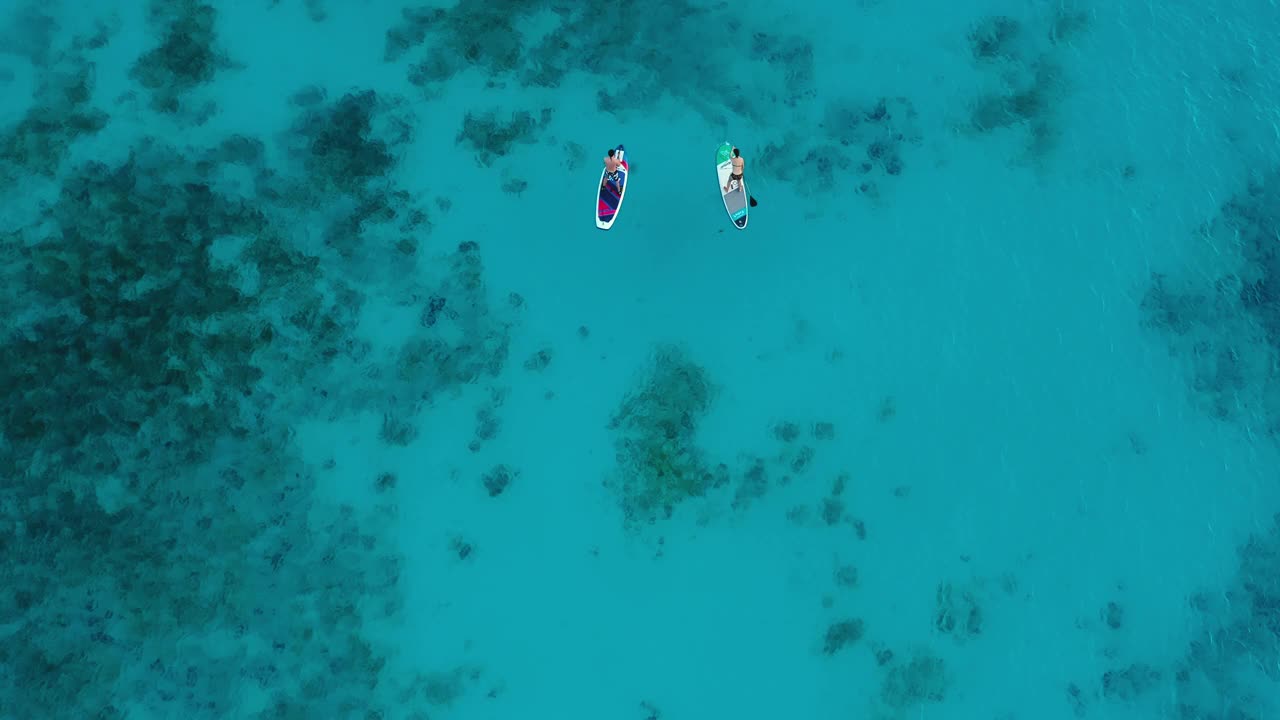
(609, 196)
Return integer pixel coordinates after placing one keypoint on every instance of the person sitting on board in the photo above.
(738, 162)
(611, 165)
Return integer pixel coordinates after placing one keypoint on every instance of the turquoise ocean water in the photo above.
(321, 396)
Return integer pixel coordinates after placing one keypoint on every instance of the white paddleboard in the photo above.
(736, 199)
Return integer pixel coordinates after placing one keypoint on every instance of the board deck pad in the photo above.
(608, 197)
(736, 197)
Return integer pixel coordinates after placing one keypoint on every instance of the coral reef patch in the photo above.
(1027, 80)
(660, 464)
(1226, 326)
(165, 317)
(187, 57)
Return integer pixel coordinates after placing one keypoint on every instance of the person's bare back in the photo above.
(611, 165)
(736, 174)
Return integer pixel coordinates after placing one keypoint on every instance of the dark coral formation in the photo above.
(461, 548)
(958, 612)
(164, 317)
(753, 484)
(463, 340)
(497, 479)
(1229, 669)
(488, 424)
(661, 54)
(470, 35)
(385, 229)
(883, 128)
(884, 655)
(153, 307)
(1027, 80)
(397, 429)
(410, 32)
(146, 309)
(846, 576)
(1252, 221)
(485, 35)
(841, 634)
(786, 431)
(755, 477)
(649, 711)
(660, 464)
(87, 624)
(515, 186)
(1227, 325)
(812, 167)
(1076, 700)
(1028, 104)
(1128, 683)
(29, 31)
(347, 151)
(315, 10)
(1067, 23)
(538, 361)
(922, 679)
(792, 458)
(492, 136)
(861, 141)
(800, 460)
(794, 55)
(385, 482)
(1113, 615)
(187, 57)
(830, 510)
(349, 143)
(996, 38)
(61, 114)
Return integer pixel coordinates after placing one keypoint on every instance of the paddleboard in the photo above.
(609, 196)
(736, 197)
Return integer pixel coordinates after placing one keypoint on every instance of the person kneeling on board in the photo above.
(736, 175)
(611, 165)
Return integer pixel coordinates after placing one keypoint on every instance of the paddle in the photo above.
(753, 202)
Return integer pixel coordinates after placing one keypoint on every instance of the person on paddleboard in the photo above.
(736, 175)
(611, 165)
